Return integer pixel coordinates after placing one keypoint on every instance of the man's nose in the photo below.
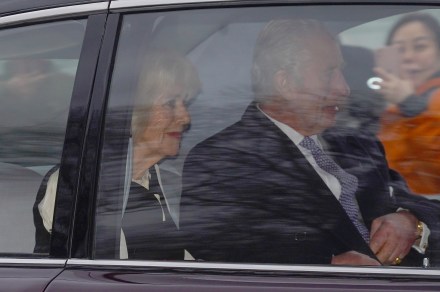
(340, 86)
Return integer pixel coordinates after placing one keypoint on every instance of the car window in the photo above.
(37, 71)
(251, 135)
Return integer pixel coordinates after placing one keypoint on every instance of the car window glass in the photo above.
(369, 45)
(229, 138)
(37, 71)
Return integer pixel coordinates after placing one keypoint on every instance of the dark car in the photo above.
(69, 79)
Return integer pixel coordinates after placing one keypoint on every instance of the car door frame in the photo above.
(30, 272)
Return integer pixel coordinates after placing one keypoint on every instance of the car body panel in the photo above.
(27, 278)
(153, 279)
(28, 274)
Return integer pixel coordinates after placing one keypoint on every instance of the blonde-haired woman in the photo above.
(167, 82)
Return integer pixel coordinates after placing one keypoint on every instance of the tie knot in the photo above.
(309, 144)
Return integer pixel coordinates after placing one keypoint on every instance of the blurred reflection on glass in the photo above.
(410, 126)
(35, 97)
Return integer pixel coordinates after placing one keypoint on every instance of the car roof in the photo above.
(8, 7)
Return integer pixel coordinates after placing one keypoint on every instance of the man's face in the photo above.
(318, 91)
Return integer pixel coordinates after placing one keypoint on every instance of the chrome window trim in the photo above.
(118, 4)
(53, 13)
(121, 4)
(44, 262)
(395, 271)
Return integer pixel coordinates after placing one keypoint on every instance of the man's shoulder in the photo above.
(248, 127)
(230, 135)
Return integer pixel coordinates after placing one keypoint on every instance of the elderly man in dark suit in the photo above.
(279, 187)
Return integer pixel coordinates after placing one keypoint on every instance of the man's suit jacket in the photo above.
(249, 195)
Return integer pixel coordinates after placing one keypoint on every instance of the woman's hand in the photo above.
(394, 89)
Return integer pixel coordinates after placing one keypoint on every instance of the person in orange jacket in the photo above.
(410, 126)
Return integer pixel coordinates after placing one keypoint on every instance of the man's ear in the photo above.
(281, 83)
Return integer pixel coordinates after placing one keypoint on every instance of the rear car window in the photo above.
(37, 71)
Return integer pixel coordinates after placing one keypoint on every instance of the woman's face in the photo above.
(419, 51)
(168, 119)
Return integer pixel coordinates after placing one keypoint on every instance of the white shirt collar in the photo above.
(290, 132)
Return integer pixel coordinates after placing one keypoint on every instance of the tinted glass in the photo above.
(251, 135)
(37, 71)
(404, 118)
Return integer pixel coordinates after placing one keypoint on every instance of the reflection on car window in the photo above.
(37, 71)
(407, 122)
(279, 158)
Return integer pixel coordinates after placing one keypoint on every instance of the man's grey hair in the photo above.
(281, 46)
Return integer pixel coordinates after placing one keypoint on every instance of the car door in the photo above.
(218, 40)
(47, 56)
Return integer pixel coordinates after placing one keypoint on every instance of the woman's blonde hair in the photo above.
(161, 70)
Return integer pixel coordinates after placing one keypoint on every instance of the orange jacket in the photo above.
(412, 144)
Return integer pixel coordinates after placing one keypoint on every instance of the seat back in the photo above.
(18, 188)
